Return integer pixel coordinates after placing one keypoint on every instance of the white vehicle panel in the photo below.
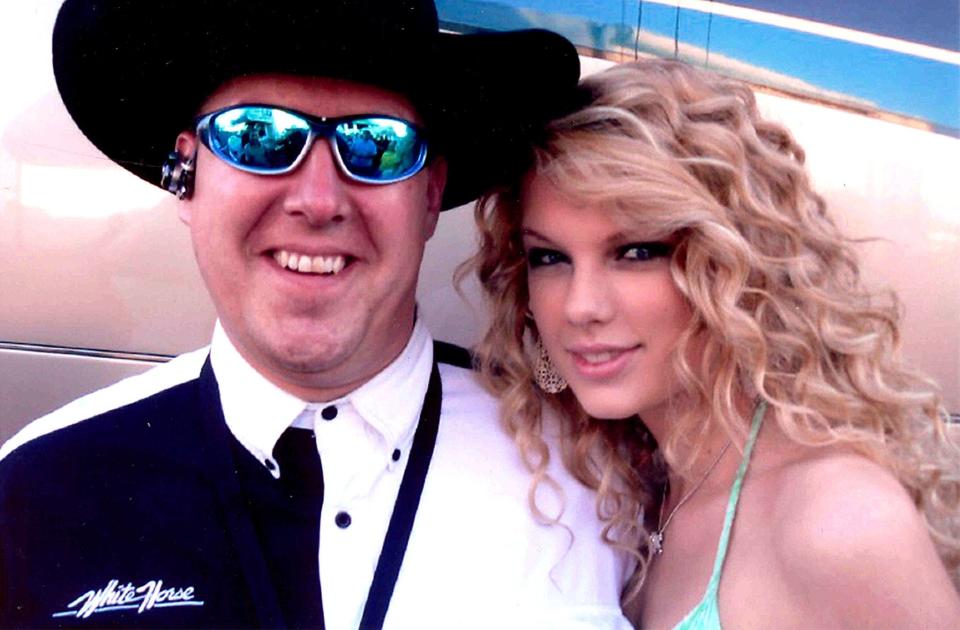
(93, 258)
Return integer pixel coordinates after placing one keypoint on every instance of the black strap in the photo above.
(405, 509)
(453, 354)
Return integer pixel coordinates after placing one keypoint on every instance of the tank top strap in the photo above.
(714, 584)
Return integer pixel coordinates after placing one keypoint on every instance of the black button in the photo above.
(396, 455)
(328, 413)
(270, 465)
(343, 520)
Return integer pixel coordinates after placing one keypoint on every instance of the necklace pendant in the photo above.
(656, 542)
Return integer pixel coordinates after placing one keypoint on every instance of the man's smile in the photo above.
(304, 263)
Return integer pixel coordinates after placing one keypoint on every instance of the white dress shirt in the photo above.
(476, 556)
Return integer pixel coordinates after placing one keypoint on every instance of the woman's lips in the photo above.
(601, 362)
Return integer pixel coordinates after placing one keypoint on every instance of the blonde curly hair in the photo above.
(778, 307)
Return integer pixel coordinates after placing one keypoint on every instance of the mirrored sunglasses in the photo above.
(270, 140)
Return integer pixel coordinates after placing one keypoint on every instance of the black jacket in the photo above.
(143, 493)
(144, 516)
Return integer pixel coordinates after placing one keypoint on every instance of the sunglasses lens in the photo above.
(261, 139)
(270, 140)
(380, 149)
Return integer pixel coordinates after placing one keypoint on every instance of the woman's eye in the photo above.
(541, 257)
(644, 251)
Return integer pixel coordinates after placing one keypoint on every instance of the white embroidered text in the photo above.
(115, 597)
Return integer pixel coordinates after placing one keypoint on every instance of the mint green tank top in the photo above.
(706, 614)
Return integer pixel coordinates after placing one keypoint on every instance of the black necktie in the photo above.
(296, 571)
(301, 474)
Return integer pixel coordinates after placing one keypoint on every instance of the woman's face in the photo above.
(604, 303)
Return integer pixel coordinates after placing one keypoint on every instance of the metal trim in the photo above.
(95, 353)
(92, 353)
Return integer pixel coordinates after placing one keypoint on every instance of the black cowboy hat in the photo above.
(133, 73)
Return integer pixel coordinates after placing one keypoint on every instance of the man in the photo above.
(193, 495)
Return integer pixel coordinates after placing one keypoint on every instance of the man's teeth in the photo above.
(309, 264)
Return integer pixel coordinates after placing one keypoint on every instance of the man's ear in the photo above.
(186, 148)
(436, 182)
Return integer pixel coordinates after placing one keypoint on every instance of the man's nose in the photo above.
(590, 297)
(318, 188)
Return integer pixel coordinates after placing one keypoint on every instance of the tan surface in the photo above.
(93, 257)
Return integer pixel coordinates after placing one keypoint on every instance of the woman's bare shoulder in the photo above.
(851, 542)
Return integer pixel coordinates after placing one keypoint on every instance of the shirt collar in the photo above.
(390, 402)
(257, 412)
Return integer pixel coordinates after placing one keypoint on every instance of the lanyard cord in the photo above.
(405, 508)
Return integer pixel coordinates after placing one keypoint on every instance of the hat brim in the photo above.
(133, 77)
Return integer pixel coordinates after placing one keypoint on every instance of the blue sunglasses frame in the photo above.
(318, 127)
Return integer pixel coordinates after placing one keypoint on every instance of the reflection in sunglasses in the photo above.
(271, 140)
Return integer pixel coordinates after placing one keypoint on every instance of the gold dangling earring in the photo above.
(547, 376)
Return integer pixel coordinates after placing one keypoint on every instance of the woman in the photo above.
(666, 257)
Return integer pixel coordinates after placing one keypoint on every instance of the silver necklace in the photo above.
(656, 538)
